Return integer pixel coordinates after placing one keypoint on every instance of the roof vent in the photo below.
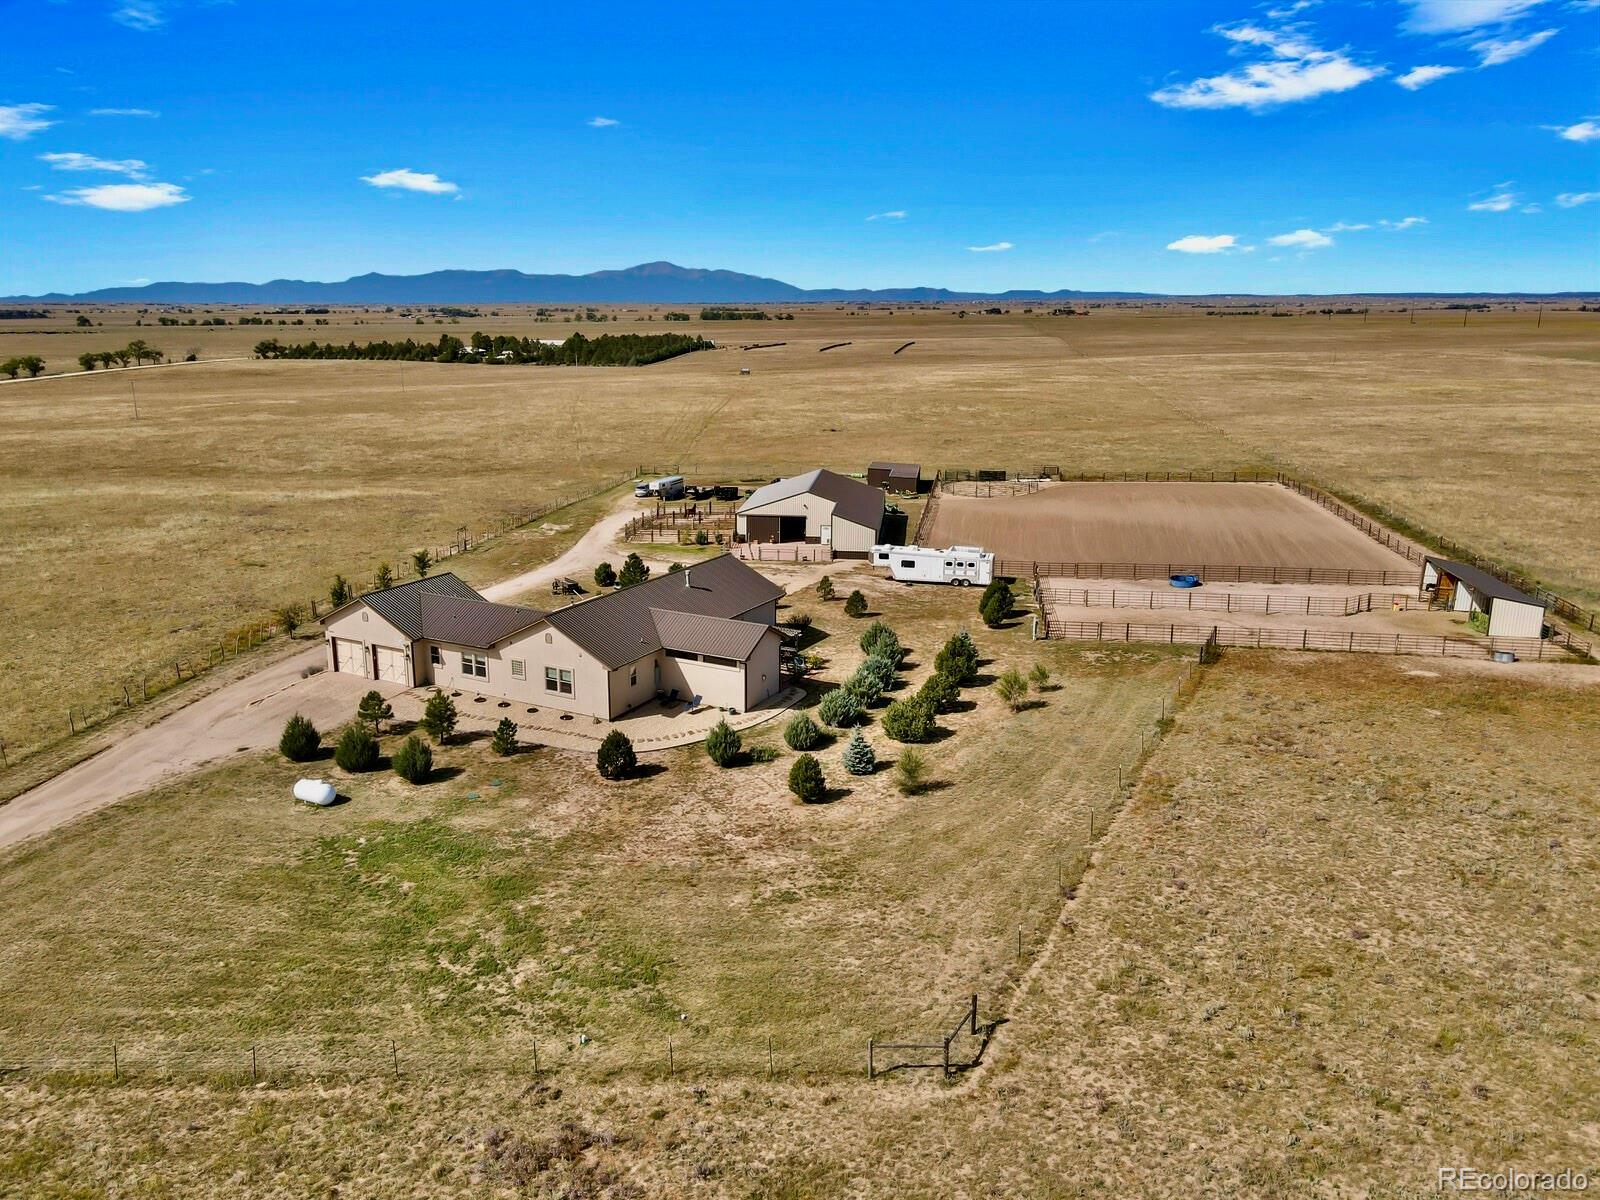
(686, 577)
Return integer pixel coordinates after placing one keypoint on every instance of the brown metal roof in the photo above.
(473, 622)
(897, 470)
(620, 627)
(716, 636)
(853, 500)
(401, 605)
(1481, 581)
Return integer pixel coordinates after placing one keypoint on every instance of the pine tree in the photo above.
(806, 781)
(723, 744)
(413, 760)
(357, 750)
(615, 759)
(855, 605)
(859, 758)
(300, 741)
(439, 717)
(504, 741)
(374, 710)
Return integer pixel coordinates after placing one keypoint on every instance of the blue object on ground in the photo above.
(1184, 581)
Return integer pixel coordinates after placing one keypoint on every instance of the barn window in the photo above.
(516, 669)
(475, 665)
(436, 656)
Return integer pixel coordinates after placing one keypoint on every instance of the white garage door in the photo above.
(391, 664)
(349, 658)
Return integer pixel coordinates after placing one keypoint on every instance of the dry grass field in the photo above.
(1342, 934)
(1221, 524)
(242, 485)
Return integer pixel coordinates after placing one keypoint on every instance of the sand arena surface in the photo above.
(1249, 524)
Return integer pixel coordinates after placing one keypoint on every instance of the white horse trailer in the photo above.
(960, 565)
(668, 487)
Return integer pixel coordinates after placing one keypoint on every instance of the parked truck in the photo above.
(668, 487)
(962, 566)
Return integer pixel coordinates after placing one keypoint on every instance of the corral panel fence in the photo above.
(1292, 639)
(958, 1048)
(1234, 602)
(782, 552)
(1018, 568)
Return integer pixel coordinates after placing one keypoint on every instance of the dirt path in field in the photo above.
(245, 715)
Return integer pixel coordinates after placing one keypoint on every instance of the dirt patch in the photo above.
(1248, 524)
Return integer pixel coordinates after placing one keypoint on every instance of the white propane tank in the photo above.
(315, 791)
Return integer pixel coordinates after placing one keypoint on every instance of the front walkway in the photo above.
(653, 726)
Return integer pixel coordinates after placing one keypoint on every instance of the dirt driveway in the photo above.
(245, 715)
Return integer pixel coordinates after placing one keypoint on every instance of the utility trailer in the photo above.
(668, 487)
(959, 565)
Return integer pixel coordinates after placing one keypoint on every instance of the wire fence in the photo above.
(1297, 639)
(1020, 568)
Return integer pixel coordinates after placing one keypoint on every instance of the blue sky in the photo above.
(1272, 147)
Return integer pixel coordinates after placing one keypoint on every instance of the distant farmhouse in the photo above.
(708, 631)
(819, 507)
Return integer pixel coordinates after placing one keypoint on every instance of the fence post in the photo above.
(394, 1057)
(871, 1069)
(770, 1069)
(116, 1065)
(671, 1066)
(252, 1064)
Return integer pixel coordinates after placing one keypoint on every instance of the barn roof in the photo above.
(897, 470)
(853, 500)
(621, 627)
(1481, 581)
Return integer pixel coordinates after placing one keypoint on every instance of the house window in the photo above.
(633, 676)
(683, 654)
(516, 669)
(436, 656)
(556, 680)
(720, 662)
(475, 665)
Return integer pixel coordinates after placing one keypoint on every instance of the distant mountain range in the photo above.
(648, 283)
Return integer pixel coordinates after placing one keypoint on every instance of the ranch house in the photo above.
(705, 634)
(1461, 587)
(819, 507)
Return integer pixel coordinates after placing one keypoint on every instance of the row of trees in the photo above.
(607, 350)
(134, 352)
(31, 363)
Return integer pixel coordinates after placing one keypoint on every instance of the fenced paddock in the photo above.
(1132, 522)
(1056, 596)
(1013, 568)
(782, 552)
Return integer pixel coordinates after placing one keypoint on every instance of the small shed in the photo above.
(1461, 587)
(895, 477)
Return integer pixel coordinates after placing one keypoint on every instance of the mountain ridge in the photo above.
(657, 282)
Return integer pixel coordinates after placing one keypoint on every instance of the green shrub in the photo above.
(859, 758)
(879, 641)
(840, 708)
(799, 621)
(909, 720)
(723, 744)
(615, 759)
(763, 754)
(1012, 688)
(341, 593)
(413, 760)
(940, 691)
(357, 750)
(605, 575)
(674, 568)
(881, 670)
(865, 688)
(1039, 676)
(825, 588)
(633, 571)
(439, 717)
(383, 578)
(801, 733)
(805, 779)
(855, 605)
(504, 741)
(300, 741)
(958, 658)
(374, 710)
(910, 772)
(996, 608)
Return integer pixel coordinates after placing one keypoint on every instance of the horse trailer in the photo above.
(960, 565)
(668, 487)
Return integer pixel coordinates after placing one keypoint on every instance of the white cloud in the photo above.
(1584, 131)
(1494, 51)
(1197, 243)
(1304, 239)
(411, 181)
(994, 248)
(123, 112)
(1501, 199)
(141, 16)
(1347, 227)
(18, 121)
(1456, 16)
(1294, 70)
(1573, 199)
(71, 160)
(1533, 208)
(602, 122)
(124, 197)
(1422, 76)
(1403, 223)
(894, 214)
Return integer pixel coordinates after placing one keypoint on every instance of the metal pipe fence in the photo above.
(1018, 568)
(1264, 603)
(1294, 639)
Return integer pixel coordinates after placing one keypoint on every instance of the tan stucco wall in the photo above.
(591, 692)
(360, 624)
(762, 680)
(721, 687)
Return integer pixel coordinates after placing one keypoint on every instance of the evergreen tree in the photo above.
(910, 772)
(504, 741)
(356, 750)
(801, 733)
(909, 720)
(439, 717)
(806, 781)
(421, 560)
(723, 744)
(880, 641)
(633, 571)
(1012, 688)
(840, 708)
(940, 691)
(859, 758)
(855, 605)
(383, 578)
(413, 760)
(341, 592)
(958, 658)
(605, 575)
(1039, 676)
(825, 588)
(374, 710)
(615, 759)
(300, 740)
